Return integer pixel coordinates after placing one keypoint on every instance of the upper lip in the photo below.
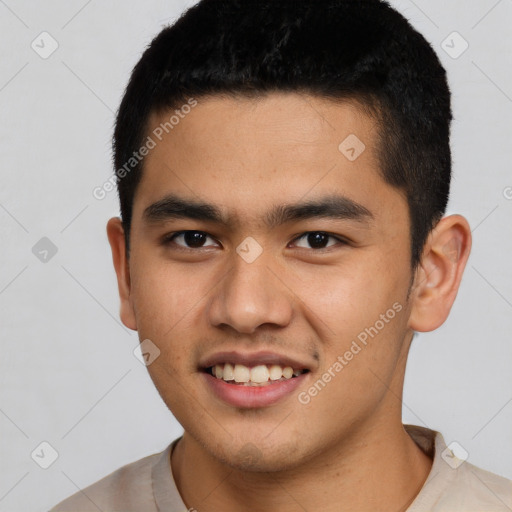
(252, 359)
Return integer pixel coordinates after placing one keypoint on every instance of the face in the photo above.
(266, 249)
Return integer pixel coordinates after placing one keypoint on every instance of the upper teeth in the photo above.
(258, 374)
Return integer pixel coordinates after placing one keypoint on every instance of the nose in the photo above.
(249, 296)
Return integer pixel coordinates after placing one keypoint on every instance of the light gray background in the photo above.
(68, 372)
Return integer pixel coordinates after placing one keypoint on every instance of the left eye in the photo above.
(319, 239)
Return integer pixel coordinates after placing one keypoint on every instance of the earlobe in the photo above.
(116, 238)
(440, 272)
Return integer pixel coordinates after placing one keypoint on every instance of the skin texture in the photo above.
(346, 449)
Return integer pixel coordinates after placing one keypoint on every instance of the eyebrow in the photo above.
(331, 206)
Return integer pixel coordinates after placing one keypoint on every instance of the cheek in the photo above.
(358, 366)
(163, 298)
(342, 300)
(361, 317)
(169, 303)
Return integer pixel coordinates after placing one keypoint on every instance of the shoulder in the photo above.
(478, 489)
(127, 488)
(454, 484)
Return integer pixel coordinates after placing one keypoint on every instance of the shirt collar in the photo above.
(167, 496)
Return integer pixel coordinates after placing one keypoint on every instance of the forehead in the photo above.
(243, 154)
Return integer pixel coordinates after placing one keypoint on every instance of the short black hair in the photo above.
(361, 50)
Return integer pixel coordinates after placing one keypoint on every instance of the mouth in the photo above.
(255, 376)
(252, 380)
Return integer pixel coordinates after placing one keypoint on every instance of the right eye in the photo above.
(191, 239)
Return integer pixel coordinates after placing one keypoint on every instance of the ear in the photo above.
(116, 238)
(439, 274)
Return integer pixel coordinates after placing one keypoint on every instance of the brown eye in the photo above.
(190, 239)
(318, 240)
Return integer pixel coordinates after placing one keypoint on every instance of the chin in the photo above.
(257, 458)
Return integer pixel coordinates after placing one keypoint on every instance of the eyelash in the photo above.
(169, 239)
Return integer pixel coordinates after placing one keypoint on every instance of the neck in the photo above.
(379, 467)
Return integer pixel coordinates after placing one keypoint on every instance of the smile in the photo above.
(258, 376)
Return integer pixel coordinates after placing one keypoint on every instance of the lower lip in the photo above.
(250, 397)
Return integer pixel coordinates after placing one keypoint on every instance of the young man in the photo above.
(283, 170)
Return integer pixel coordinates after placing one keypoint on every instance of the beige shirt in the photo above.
(147, 485)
